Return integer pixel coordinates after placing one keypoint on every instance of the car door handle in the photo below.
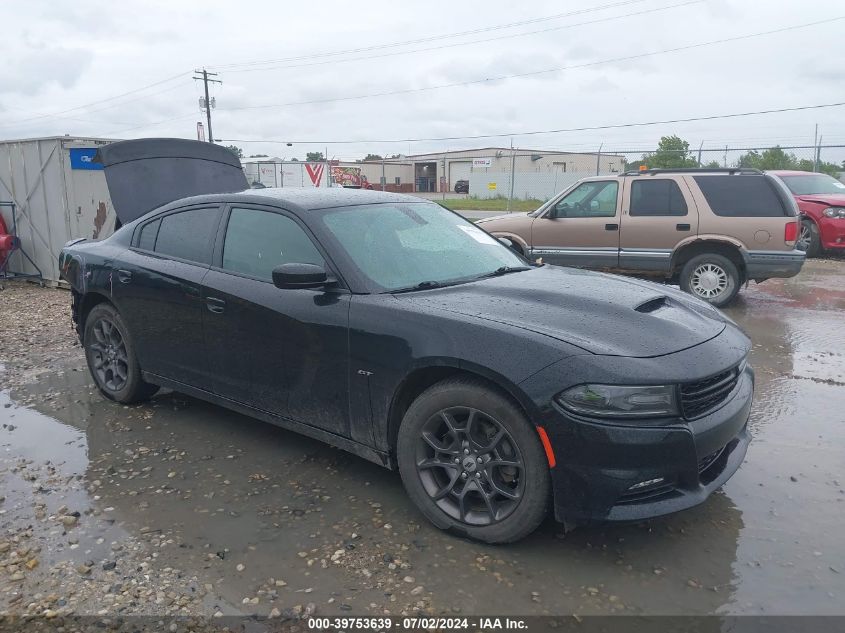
(124, 276)
(215, 305)
(611, 227)
(682, 227)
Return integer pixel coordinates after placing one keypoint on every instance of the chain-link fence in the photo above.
(528, 175)
(547, 174)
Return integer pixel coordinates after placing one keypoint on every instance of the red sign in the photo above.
(315, 172)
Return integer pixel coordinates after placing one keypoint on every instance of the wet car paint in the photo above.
(768, 543)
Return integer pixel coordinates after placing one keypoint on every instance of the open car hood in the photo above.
(144, 174)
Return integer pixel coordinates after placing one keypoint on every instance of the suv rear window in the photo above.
(657, 197)
(745, 196)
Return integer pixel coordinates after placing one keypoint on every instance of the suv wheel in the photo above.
(808, 239)
(711, 277)
(111, 357)
(472, 463)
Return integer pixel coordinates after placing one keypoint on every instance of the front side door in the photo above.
(157, 289)
(657, 213)
(281, 351)
(582, 228)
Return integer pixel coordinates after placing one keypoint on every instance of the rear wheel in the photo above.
(111, 357)
(711, 277)
(472, 463)
(808, 239)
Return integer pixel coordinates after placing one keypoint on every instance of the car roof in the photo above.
(303, 199)
(789, 172)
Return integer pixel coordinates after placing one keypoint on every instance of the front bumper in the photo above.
(832, 232)
(760, 265)
(597, 463)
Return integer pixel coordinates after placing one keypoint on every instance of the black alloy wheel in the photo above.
(472, 462)
(111, 357)
(108, 352)
(470, 466)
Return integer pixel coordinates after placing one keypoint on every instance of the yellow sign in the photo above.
(491, 186)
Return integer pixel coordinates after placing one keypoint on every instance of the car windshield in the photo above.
(813, 184)
(409, 245)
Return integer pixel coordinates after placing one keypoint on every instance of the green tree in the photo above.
(777, 158)
(672, 153)
(372, 157)
(258, 155)
(237, 151)
(315, 157)
(713, 164)
(294, 160)
(772, 158)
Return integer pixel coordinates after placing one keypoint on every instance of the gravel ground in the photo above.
(178, 507)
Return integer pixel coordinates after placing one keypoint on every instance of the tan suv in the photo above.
(709, 230)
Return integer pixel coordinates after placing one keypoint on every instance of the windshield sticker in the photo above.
(477, 234)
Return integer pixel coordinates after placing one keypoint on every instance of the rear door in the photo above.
(582, 228)
(157, 288)
(282, 351)
(658, 212)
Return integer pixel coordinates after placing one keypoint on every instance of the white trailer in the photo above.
(60, 194)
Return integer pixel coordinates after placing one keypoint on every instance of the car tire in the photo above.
(711, 277)
(498, 490)
(809, 240)
(111, 357)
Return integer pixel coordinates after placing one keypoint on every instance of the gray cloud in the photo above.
(62, 55)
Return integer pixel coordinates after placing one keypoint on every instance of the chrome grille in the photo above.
(697, 398)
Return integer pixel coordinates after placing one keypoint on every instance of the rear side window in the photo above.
(657, 197)
(744, 196)
(149, 232)
(258, 241)
(188, 234)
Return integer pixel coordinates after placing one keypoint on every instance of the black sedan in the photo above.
(391, 327)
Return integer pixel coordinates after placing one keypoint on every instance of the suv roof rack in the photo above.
(695, 170)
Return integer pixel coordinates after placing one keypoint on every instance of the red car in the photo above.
(821, 201)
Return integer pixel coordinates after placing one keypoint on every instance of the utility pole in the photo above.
(699, 153)
(205, 80)
(816, 149)
(598, 159)
(513, 175)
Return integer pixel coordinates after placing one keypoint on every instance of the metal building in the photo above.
(60, 194)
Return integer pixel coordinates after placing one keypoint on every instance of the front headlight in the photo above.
(834, 212)
(615, 401)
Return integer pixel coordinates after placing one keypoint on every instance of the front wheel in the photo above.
(111, 357)
(809, 240)
(472, 463)
(711, 277)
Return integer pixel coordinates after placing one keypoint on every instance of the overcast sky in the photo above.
(60, 56)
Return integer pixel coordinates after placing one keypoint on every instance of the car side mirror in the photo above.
(289, 276)
(506, 242)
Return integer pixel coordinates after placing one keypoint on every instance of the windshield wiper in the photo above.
(504, 270)
(423, 285)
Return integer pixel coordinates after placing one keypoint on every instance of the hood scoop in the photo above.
(652, 305)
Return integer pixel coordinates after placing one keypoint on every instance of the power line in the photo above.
(555, 131)
(98, 101)
(471, 43)
(541, 72)
(432, 38)
(108, 107)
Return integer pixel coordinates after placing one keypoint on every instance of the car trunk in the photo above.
(144, 174)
